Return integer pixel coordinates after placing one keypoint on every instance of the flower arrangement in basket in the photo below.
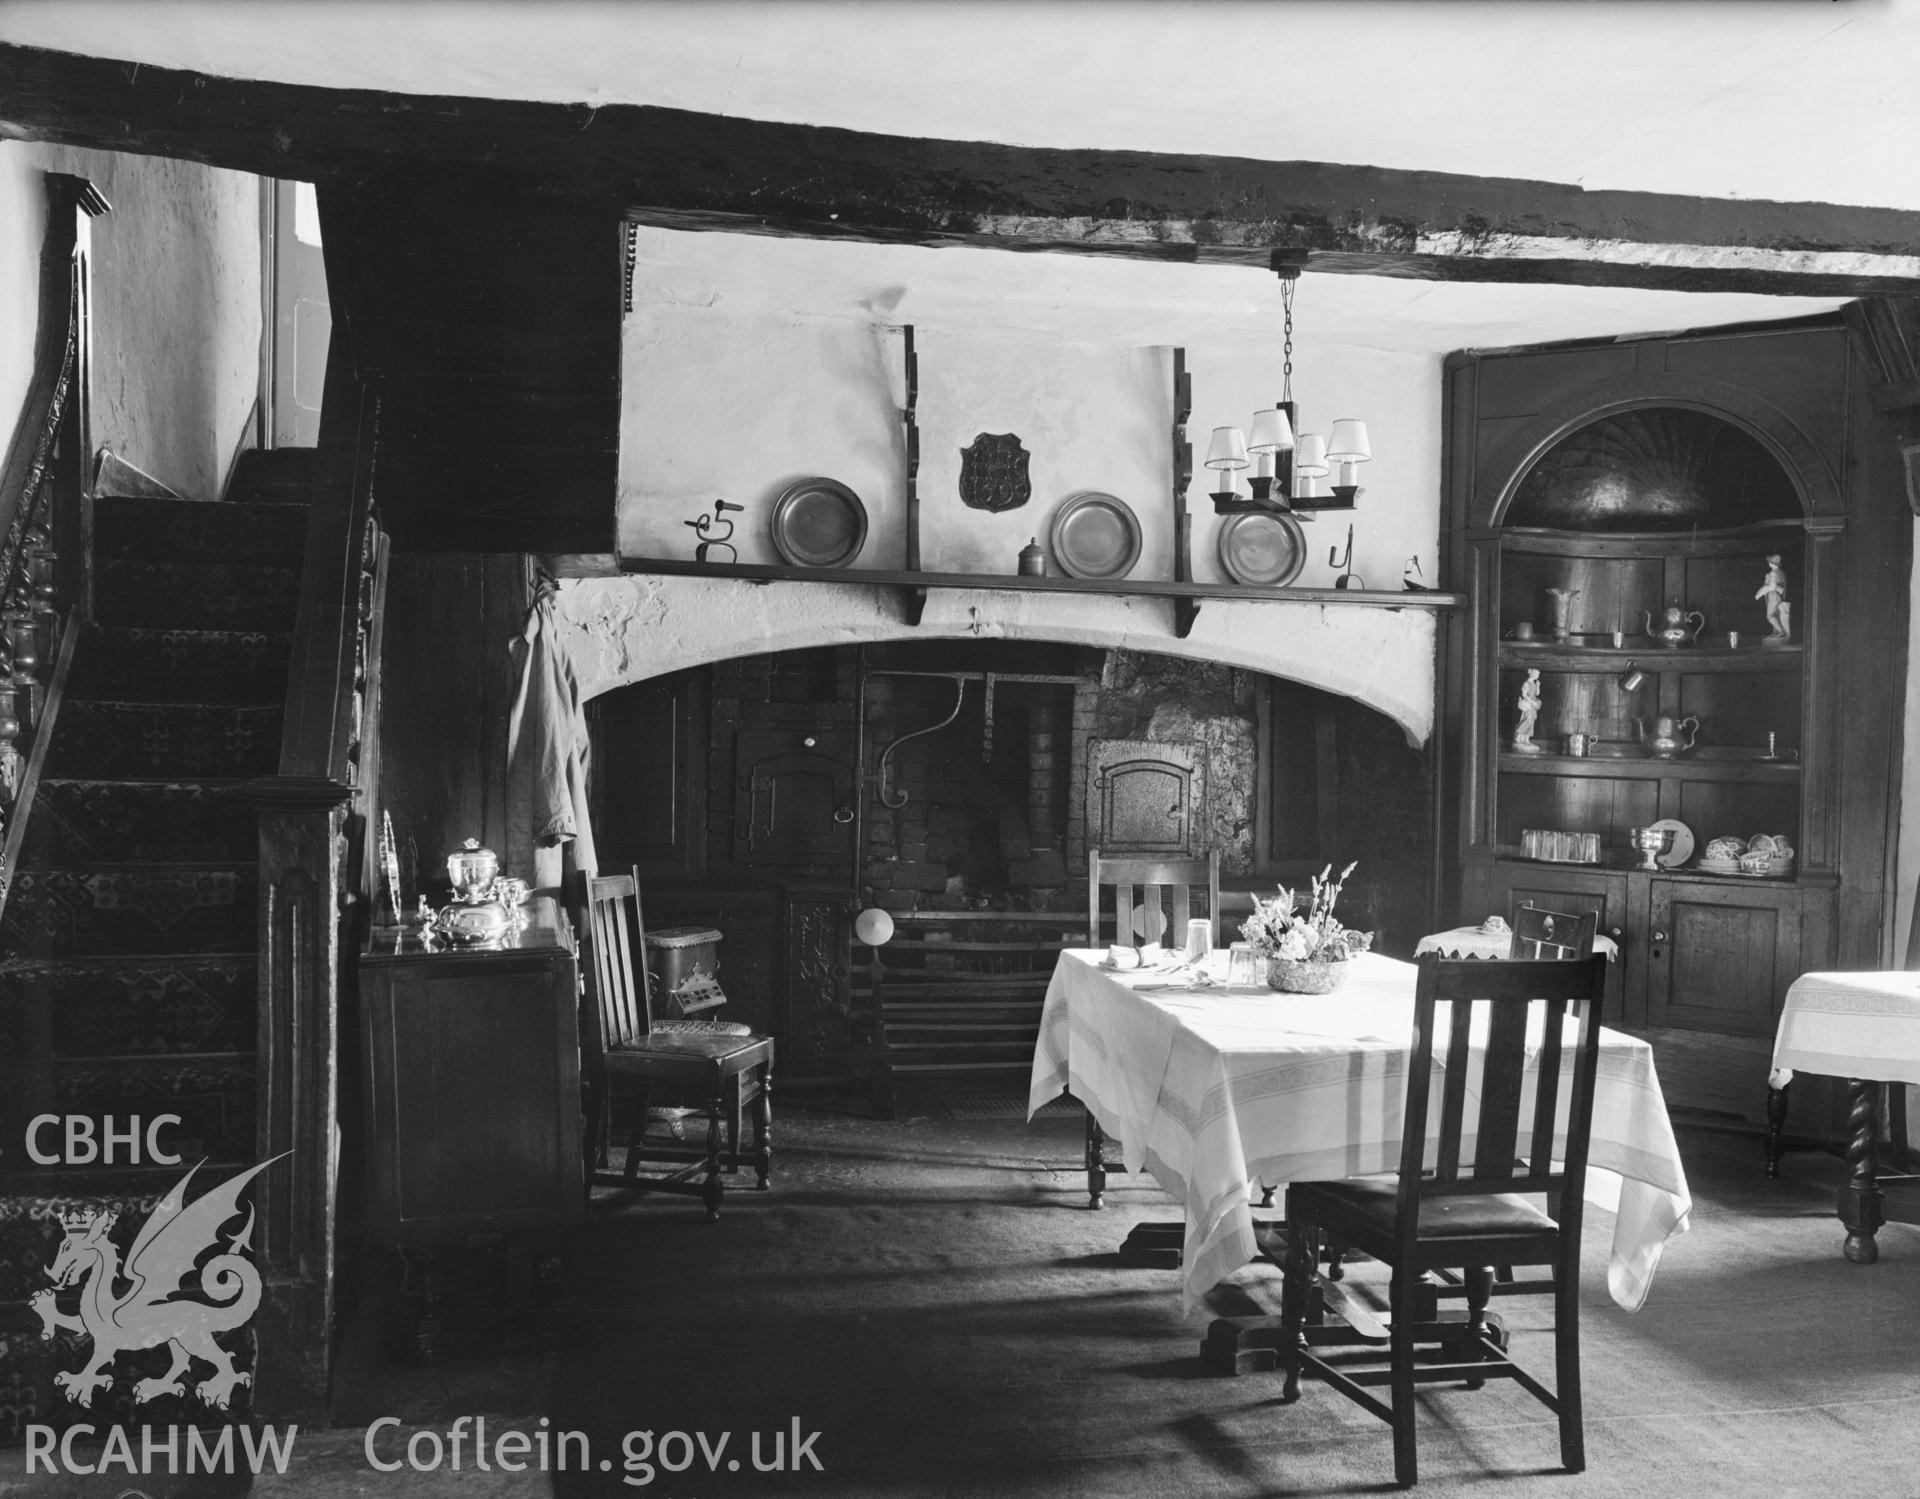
(1306, 950)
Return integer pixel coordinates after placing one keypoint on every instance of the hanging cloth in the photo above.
(547, 746)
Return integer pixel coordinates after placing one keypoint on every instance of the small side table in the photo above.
(1864, 1027)
(1471, 942)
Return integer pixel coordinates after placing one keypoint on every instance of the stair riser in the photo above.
(180, 666)
(79, 823)
(198, 532)
(134, 741)
(176, 596)
(78, 1010)
(74, 913)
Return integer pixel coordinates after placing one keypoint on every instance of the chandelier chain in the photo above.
(1286, 368)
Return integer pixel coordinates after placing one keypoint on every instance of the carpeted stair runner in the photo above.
(127, 942)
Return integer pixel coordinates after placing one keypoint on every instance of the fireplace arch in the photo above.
(630, 629)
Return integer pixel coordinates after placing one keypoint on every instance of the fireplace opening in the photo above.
(959, 785)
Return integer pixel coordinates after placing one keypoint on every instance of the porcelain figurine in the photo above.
(1779, 612)
(1529, 715)
(1678, 627)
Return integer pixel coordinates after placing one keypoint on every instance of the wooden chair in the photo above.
(1541, 935)
(724, 1070)
(1442, 1214)
(1152, 900)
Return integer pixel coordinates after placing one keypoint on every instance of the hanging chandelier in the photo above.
(1289, 471)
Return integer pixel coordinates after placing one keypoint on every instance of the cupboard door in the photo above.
(1575, 891)
(1720, 956)
(814, 1037)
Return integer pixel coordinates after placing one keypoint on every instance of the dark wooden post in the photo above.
(313, 886)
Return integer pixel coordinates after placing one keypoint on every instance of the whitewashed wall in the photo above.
(176, 306)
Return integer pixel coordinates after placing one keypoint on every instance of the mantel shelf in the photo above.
(917, 584)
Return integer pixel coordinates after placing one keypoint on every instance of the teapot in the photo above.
(1674, 630)
(1664, 742)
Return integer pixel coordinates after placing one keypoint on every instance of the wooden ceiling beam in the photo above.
(688, 170)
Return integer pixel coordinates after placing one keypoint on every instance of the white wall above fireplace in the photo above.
(621, 630)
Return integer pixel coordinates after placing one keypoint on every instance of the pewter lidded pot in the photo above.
(471, 870)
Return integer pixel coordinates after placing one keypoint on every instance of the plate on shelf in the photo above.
(818, 523)
(1095, 536)
(1681, 848)
(1262, 550)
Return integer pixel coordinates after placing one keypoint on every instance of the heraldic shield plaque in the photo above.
(993, 473)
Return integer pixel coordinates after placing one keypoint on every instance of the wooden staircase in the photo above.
(128, 963)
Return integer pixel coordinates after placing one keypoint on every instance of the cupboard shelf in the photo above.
(1653, 658)
(1646, 768)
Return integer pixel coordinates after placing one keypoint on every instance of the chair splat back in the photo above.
(1512, 1145)
(1169, 889)
(616, 944)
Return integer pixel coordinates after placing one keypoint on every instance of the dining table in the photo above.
(1224, 1092)
(1864, 1027)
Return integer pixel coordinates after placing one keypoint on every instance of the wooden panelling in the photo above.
(448, 685)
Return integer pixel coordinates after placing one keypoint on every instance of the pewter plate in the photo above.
(1095, 536)
(818, 523)
(1260, 550)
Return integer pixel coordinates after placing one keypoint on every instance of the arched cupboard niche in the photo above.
(1615, 511)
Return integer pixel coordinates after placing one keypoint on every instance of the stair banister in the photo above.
(44, 518)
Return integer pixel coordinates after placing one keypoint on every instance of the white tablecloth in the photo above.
(1471, 942)
(1222, 1090)
(1864, 1025)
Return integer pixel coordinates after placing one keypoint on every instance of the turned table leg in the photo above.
(1860, 1195)
(1096, 1163)
(1776, 1122)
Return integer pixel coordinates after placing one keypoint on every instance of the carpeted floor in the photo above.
(933, 1298)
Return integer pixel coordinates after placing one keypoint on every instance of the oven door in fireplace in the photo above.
(795, 798)
(1146, 797)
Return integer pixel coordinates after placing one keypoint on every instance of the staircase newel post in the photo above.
(302, 824)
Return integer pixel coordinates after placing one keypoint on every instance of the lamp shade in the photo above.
(1271, 431)
(1310, 455)
(1228, 449)
(1349, 442)
(873, 926)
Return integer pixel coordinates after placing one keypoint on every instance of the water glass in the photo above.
(1199, 939)
(1243, 964)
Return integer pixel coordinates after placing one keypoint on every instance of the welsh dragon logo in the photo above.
(150, 1311)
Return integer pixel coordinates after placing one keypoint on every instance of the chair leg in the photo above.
(1479, 1281)
(1566, 1354)
(636, 1137)
(1406, 1465)
(763, 1129)
(1296, 1281)
(715, 1189)
(1096, 1164)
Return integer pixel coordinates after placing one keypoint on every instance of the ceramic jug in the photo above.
(1664, 743)
(1674, 630)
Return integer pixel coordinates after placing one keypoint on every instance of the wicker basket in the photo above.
(1292, 977)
